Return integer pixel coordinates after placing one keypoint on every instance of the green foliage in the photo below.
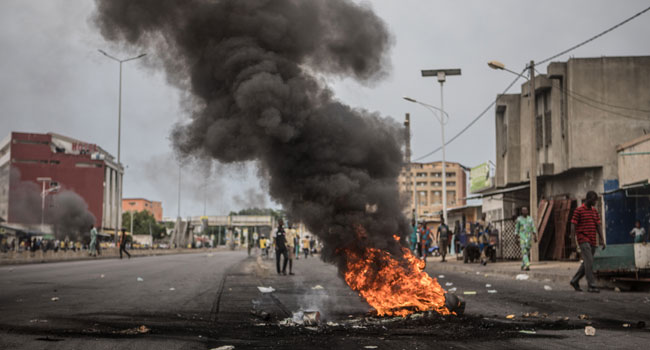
(143, 224)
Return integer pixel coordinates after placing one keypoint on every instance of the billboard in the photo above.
(479, 177)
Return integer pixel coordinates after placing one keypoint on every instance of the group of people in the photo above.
(587, 232)
(474, 241)
(288, 247)
(94, 247)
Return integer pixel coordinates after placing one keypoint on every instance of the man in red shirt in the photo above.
(585, 224)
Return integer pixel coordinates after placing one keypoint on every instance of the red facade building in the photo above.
(58, 163)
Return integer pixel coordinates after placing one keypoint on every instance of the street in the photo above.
(205, 300)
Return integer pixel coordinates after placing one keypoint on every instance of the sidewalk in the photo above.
(18, 258)
(542, 270)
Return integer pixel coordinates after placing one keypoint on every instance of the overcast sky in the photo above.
(53, 79)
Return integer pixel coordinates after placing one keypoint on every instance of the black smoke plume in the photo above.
(251, 69)
(66, 211)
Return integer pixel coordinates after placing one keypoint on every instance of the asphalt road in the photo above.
(203, 301)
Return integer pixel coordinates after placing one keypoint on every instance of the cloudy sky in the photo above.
(53, 79)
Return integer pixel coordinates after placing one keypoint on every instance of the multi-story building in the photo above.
(427, 178)
(585, 107)
(140, 204)
(60, 162)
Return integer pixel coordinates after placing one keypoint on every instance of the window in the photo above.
(548, 131)
(451, 183)
(436, 197)
(451, 174)
(421, 175)
(436, 184)
(437, 174)
(502, 133)
(421, 183)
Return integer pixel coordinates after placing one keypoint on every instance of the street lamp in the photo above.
(442, 74)
(533, 140)
(119, 132)
(44, 194)
(435, 110)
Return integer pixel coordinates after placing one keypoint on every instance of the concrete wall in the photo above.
(573, 184)
(633, 167)
(595, 128)
(508, 139)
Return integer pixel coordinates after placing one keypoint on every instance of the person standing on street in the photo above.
(123, 244)
(93, 241)
(305, 246)
(291, 249)
(585, 224)
(525, 229)
(443, 238)
(281, 248)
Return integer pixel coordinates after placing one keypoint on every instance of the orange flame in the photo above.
(394, 287)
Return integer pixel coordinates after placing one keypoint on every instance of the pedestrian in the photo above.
(291, 249)
(585, 225)
(525, 229)
(263, 247)
(413, 238)
(281, 248)
(443, 238)
(639, 233)
(93, 241)
(312, 246)
(305, 246)
(123, 244)
(425, 241)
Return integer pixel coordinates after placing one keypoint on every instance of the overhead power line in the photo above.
(473, 121)
(592, 38)
(539, 63)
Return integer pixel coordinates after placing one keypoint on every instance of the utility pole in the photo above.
(442, 74)
(118, 180)
(533, 156)
(407, 160)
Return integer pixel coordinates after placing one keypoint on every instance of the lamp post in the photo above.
(44, 193)
(131, 212)
(443, 121)
(442, 74)
(532, 172)
(118, 184)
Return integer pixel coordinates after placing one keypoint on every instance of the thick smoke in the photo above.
(249, 65)
(66, 211)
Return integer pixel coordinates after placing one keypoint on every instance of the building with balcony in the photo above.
(427, 179)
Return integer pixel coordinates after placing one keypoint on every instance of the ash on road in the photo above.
(203, 301)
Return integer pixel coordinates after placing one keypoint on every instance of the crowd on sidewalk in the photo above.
(475, 241)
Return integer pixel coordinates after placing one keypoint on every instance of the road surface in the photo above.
(207, 300)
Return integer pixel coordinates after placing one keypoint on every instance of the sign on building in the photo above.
(479, 177)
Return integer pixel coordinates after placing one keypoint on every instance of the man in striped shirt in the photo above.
(585, 224)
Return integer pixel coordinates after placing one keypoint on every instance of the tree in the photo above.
(144, 223)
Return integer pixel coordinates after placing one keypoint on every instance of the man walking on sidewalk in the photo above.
(443, 238)
(525, 229)
(584, 226)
